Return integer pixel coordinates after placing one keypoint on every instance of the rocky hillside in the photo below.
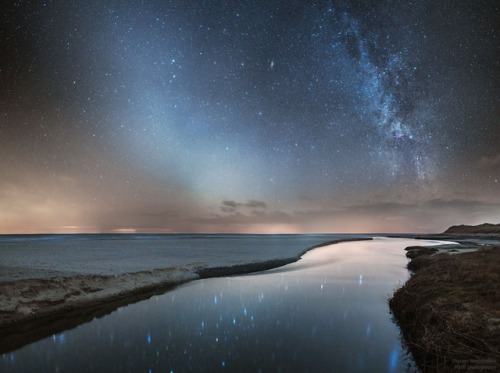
(482, 228)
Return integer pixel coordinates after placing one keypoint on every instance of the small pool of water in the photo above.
(327, 312)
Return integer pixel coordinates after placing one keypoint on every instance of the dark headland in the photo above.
(482, 228)
(449, 309)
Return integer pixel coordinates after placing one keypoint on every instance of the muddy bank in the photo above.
(449, 311)
(36, 308)
(31, 309)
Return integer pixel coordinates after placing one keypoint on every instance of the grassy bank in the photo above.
(449, 311)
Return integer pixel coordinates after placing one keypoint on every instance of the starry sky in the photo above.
(248, 116)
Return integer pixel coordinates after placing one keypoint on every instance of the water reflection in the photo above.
(327, 312)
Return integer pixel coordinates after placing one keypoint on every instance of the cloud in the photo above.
(305, 197)
(461, 204)
(254, 221)
(489, 162)
(256, 204)
(231, 206)
(424, 216)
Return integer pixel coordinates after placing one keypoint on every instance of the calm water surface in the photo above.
(326, 313)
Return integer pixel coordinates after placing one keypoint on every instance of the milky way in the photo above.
(213, 116)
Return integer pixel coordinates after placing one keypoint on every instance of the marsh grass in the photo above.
(449, 310)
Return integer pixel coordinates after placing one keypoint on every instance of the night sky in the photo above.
(248, 116)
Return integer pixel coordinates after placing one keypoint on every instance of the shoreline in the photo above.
(32, 309)
(449, 309)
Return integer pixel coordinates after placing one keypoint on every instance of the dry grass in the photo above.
(449, 311)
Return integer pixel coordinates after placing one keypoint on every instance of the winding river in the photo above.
(327, 312)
